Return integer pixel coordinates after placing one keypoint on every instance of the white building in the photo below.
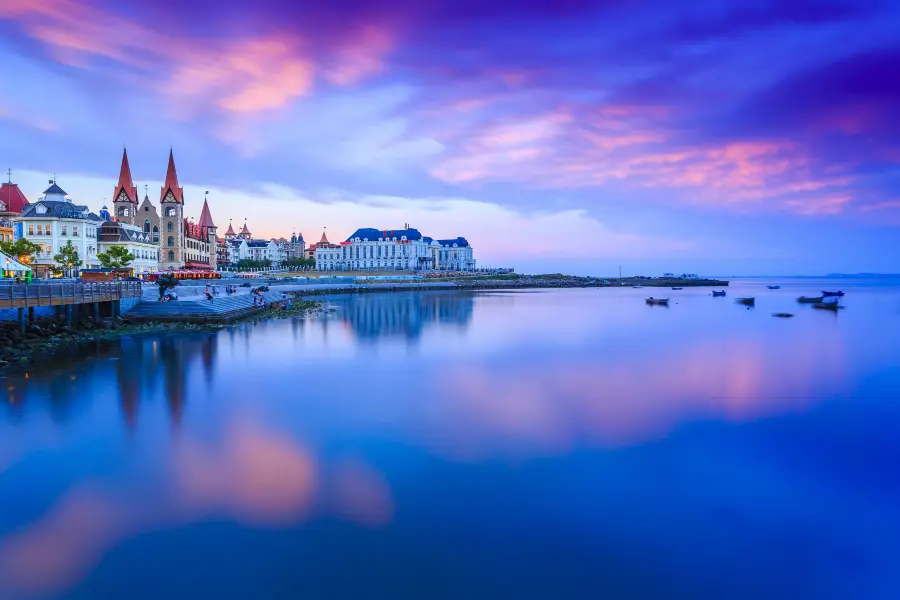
(265, 250)
(54, 220)
(136, 241)
(395, 250)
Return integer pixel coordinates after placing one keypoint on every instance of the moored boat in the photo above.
(783, 315)
(662, 301)
(809, 299)
(828, 305)
(677, 288)
(718, 294)
(774, 287)
(746, 301)
(837, 293)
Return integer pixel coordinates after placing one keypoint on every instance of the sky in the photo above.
(730, 137)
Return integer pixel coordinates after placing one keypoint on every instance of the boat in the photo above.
(774, 287)
(660, 301)
(809, 300)
(746, 301)
(674, 288)
(637, 287)
(715, 293)
(837, 293)
(783, 315)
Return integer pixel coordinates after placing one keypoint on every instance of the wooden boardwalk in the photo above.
(26, 295)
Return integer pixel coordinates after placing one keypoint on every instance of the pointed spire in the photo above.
(205, 216)
(172, 182)
(125, 183)
(230, 232)
(324, 239)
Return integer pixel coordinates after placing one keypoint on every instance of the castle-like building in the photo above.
(183, 243)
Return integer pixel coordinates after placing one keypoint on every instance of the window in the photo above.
(31, 230)
(74, 230)
(147, 226)
(170, 212)
(169, 226)
(171, 254)
(156, 234)
(146, 209)
(63, 230)
(171, 241)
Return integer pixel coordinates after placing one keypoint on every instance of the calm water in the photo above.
(554, 444)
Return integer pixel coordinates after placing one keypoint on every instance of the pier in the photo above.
(71, 299)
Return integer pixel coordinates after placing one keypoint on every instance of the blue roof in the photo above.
(460, 241)
(372, 234)
(427, 239)
(57, 209)
(258, 244)
(55, 189)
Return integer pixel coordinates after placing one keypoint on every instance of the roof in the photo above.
(258, 244)
(245, 231)
(372, 234)
(12, 264)
(59, 209)
(205, 217)
(230, 230)
(172, 183)
(125, 181)
(55, 189)
(324, 239)
(460, 241)
(12, 198)
(236, 243)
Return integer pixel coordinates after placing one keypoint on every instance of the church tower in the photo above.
(125, 198)
(171, 238)
(208, 233)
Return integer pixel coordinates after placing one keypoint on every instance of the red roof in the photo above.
(230, 230)
(324, 239)
(245, 231)
(172, 183)
(12, 198)
(205, 217)
(125, 181)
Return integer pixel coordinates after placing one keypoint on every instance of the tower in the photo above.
(125, 198)
(171, 238)
(208, 232)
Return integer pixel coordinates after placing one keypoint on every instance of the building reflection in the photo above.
(407, 314)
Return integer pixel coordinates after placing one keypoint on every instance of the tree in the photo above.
(22, 250)
(116, 257)
(67, 258)
(165, 283)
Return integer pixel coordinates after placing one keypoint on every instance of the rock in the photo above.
(34, 329)
(23, 361)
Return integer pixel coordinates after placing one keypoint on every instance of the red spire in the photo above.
(324, 239)
(246, 232)
(172, 183)
(12, 200)
(205, 217)
(230, 231)
(125, 181)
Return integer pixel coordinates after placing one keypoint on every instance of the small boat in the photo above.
(837, 293)
(746, 301)
(715, 293)
(677, 288)
(783, 315)
(774, 287)
(660, 301)
(637, 287)
(809, 300)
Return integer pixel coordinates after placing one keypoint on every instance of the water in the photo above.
(552, 444)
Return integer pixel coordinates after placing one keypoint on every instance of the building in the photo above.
(264, 250)
(133, 239)
(54, 220)
(326, 255)
(396, 250)
(125, 198)
(12, 203)
(184, 244)
(7, 230)
(296, 247)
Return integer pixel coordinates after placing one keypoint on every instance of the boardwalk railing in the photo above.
(23, 295)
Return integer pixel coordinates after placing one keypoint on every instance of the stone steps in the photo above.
(223, 308)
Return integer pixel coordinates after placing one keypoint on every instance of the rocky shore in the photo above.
(47, 336)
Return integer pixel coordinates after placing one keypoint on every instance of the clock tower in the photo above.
(171, 236)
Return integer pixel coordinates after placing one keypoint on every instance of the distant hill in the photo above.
(864, 275)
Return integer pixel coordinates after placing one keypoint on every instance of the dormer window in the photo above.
(40, 209)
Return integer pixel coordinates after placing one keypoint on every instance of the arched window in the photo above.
(171, 241)
(171, 255)
(147, 226)
(169, 226)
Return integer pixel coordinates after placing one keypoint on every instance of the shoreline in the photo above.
(45, 338)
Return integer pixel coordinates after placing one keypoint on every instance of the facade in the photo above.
(184, 244)
(7, 231)
(396, 250)
(296, 247)
(265, 250)
(136, 241)
(148, 219)
(325, 254)
(54, 220)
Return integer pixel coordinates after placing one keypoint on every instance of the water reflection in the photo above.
(407, 314)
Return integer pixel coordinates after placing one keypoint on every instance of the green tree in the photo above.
(22, 250)
(67, 258)
(116, 257)
(166, 283)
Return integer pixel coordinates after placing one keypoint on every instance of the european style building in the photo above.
(394, 250)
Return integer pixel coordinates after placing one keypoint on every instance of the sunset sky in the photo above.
(721, 137)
